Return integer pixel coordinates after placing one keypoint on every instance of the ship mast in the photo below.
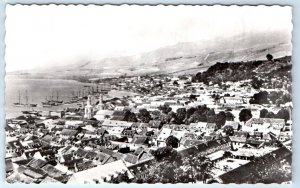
(26, 97)
(19, 97)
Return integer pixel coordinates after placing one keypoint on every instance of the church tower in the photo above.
(88, 110)
(100, 104)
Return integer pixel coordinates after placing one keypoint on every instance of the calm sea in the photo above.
(39, 89)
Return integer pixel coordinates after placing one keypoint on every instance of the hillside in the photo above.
(236, 71)
(180, 58)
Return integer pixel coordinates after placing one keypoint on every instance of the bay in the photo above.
(40, 89)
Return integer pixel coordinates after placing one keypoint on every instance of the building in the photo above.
(100, 174)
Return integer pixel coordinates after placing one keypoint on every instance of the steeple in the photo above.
(100, 104)
(88, 110)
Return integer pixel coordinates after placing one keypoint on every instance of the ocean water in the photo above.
(37, 92)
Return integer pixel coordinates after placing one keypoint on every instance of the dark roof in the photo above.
(248, 173)
(47, 138)
(241, 134)
(154, 123)
(68, 132)
(68, 157)
(35, 173)
(52, 171)
(138, 151)
(101, 131)
(140, 140)
(85, 165)
(119, 113)
(37, 163)
(80, 152)
(8, 165)
(131, 158)
(115, 155)
(117, 118)
(72, 162)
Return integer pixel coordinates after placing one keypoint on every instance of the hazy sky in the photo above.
(39, 36)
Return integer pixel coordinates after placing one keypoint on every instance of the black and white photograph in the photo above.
(192, 94)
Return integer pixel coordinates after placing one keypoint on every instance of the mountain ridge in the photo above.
(192, 56)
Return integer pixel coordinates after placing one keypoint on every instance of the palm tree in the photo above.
(199, 166)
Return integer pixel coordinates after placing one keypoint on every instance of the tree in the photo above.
(144, 116)
(229, 131)
(171, 117)
(176, 168)
(220, 119)
(156, 115)
(198, 166)
(245, 115)
(175, 83)
(283, 114)
(270, 115)
(165, 109)
(193, 97)
(180, 115)
(190, 112)
(130, 116)
(263, 113)
(260, 98)
(269, 57)
(229, 116)
(256, 83)
(172, 141)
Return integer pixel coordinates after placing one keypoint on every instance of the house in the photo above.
(238, 141)
(163, 135)
(117, 131)
(191, 142)
(8, 166)
(103, 114)
(128, 133)
(13, 148)
(235, 125)
(50, 180)
(265, 123)
(100, 174)
(140, 140)
(37, 163)
(210, 128)
(155, 124)
(68, 133)
(118, 115)
(138, 156)
(116, 123)
(216, 156)
(53, 172)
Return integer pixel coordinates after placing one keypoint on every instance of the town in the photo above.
(212, 127)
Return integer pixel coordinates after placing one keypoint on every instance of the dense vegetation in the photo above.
(236, 71)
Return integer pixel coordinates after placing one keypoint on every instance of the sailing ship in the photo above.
(19, 104)
(47, 103)
(52, 102)
(31, 104)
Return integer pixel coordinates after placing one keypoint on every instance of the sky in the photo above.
(51, 35)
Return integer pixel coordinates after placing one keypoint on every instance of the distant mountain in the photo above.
(187, 57)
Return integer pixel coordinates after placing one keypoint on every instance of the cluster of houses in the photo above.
(94, 144)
